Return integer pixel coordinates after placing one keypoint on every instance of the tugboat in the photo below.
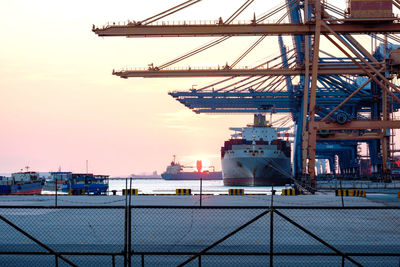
(21, 183)
(254, 156)
(57, 179)
(175, 172)
(85, 183)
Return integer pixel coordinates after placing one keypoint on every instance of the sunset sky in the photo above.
(60, 104)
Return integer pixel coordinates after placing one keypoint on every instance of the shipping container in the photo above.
(364, 9)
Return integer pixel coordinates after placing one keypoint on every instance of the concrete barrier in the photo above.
(131, 191)
(288, 192)
(183, 191)
(239, 191)
(350, 193)
(76, 192)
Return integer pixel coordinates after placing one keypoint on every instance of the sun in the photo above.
(205, 164)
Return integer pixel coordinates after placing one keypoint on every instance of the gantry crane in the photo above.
(336, 103)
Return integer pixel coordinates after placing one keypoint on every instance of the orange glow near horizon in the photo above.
(205, 163)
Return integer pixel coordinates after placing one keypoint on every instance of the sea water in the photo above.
(160, 186)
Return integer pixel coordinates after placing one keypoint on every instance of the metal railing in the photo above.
(208, 235)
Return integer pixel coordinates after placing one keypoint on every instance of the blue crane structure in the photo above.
(336, 103)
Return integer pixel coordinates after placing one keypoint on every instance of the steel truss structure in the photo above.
(336, 103)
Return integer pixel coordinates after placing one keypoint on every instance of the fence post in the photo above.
(130, 225)
(56, 193)
(126, 226)
(271, 230)
(201, 189)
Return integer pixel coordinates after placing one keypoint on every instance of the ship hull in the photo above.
(192, 176)
(256, 171)
(22, 189)
(90, 188)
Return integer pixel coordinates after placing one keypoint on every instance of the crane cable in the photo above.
(212, 43)
(239, 11)
(168, 12)
(242, 80)
(235, 83)
(193, 52)
(334, 9)
(238, 88)
(247, 51)
(271, 60)
(273, 12)
(215, 83)
(220, 40)
(291, 3)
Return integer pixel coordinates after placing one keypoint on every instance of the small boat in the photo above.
(21, 183)
(85, 183)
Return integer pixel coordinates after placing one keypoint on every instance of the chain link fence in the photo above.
(199, 236)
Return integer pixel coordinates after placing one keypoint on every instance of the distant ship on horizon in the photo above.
(154, 175)
(175, 171)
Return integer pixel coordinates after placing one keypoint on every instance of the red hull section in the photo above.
(28, 192)
(239, 181)
(270, 181)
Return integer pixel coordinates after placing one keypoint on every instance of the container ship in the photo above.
(21, 183)
(175, 172)
(254, 156)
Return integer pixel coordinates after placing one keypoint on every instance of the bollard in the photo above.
(114, 192)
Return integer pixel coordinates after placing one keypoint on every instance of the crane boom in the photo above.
(215, 72)
(213, 29)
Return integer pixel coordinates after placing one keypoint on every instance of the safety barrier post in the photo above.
(131, 191)
(288, 192)
(236, 191)
(183, 191)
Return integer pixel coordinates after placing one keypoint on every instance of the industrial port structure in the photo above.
(336, 103)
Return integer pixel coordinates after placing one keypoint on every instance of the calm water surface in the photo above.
(160, 186)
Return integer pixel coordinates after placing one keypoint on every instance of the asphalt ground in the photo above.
(172, 224)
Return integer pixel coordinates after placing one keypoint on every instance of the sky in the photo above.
(61, 106)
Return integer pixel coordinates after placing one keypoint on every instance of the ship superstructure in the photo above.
(254, 156)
